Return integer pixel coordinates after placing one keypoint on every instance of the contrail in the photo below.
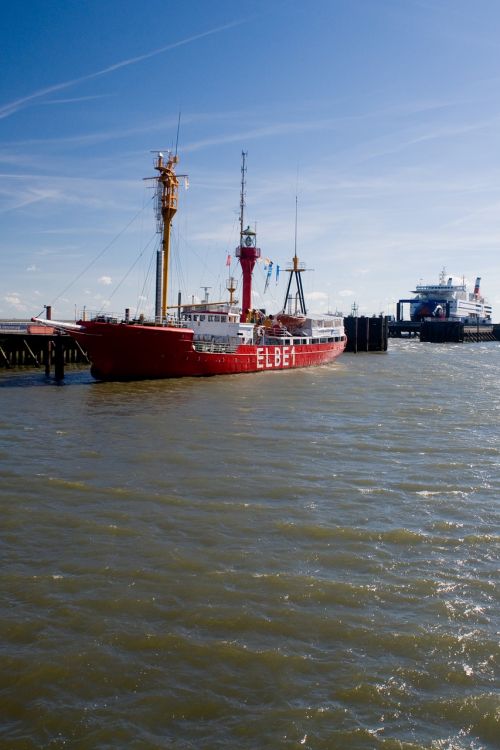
(12, 107)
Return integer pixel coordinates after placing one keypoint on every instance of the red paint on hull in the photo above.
(131, 352)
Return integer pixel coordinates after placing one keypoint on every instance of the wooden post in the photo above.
(31, 353)
(59, 359)
(47, 356)
(5, 358)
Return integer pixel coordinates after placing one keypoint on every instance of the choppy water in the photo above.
(300, 560)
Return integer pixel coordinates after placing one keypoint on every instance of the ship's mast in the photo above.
(296, 270)
(167, 188)
(247, 252)
(244, 155)
(231, 288)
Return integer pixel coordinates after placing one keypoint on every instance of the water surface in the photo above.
(305, 559)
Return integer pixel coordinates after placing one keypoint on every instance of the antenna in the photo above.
(296, 211)
(296, 270)
(178, 129)
(244, 155)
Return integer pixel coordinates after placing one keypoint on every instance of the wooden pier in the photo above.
(47, 350)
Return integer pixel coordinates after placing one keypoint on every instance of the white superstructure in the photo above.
(451, 301)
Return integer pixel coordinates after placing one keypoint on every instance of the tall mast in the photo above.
(168, 185)
(244, 155)
(296, 270)
(247, 251)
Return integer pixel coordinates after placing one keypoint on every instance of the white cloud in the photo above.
(346, 293)
(32, 268)
(104, 280)
(14, 299)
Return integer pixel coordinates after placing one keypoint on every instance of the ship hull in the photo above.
(135, 352)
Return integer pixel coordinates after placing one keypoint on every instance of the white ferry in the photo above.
(450, 301)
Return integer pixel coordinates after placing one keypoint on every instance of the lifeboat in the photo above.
(291, 322)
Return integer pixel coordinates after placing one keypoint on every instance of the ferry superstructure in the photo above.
(451, 301)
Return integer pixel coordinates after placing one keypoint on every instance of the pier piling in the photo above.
(53, 350)
(366, 334)
(59, 358)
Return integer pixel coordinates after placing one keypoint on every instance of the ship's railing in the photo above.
(105, 319)
(100, 316)
(214, 347)
(111, 317)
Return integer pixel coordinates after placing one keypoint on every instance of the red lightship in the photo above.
(208, 338)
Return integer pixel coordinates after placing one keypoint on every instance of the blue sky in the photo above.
(382, 116)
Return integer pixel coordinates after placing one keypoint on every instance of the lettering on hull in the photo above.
(275, 357)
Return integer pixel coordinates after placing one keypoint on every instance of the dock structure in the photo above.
(407, 328)
(365, 334)
(454, 331)
(441, 331)
(25, 348)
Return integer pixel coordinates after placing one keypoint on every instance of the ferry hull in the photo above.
(135, 352)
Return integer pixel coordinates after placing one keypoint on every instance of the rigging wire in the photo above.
(124, 277)
(96, 258)
(142, 296)
(179, 269)
(178, 130)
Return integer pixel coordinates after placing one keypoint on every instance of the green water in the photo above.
(306, 559)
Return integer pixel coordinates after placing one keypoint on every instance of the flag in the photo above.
(277, 273)
(228, 261)
(269, 273)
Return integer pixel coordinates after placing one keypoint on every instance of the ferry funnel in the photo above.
(476, 286)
